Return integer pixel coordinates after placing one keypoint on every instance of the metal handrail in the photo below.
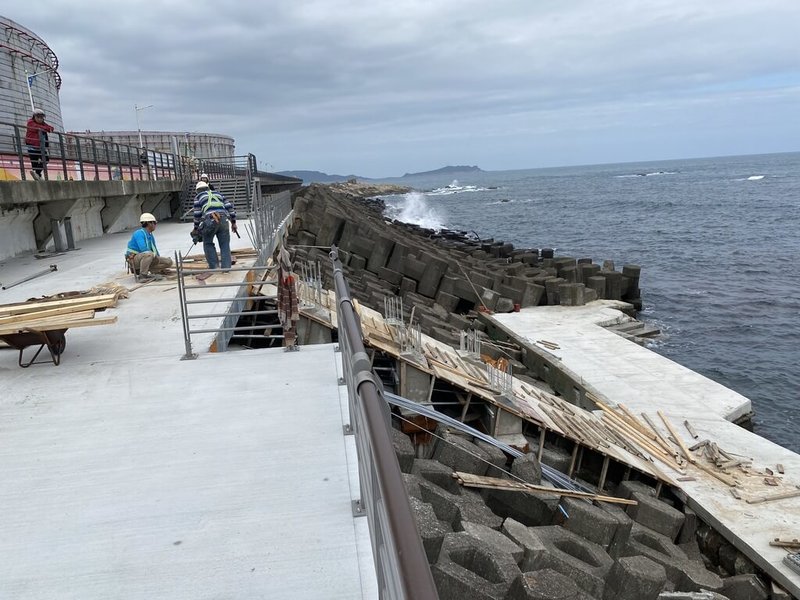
(71, 157)
(400, 562)
(270, 215)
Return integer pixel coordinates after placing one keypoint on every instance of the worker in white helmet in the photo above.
(204, 179)
(142, 253)
(214, 216)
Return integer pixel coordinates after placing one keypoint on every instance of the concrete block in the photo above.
(569, 273)
(494, 540)
(461, 454)
(635, 578)
(407, 285)
(626, 489)
(531, 509)
(459, 322)
(381, 251)
(457, 508)
(497, 458)
(434, 270)
(392, 277)
(411, 267)
(437, 473)
(397, 257)
(587, 564)
(588, 521)
(684, 575)
(557, 458)
(527, 468)
(403, 449)
(504, 305)
(448, 301)
(551, 290)
(431, 530)
(598, 284)
(744, 587)
(532, 546)
(688, 530)
(465, 569)
(545, 584)
(656, 515)
(613, 285)
(623, 531)
(357, 262)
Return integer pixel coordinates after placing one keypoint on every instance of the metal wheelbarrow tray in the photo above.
(52, 339)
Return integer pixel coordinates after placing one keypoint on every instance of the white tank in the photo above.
(23, 53)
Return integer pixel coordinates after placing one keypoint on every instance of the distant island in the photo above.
(447, 171)
(320, 177)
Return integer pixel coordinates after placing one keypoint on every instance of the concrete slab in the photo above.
(128, 473)
(623, 372)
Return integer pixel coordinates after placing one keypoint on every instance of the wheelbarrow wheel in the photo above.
(58, 342)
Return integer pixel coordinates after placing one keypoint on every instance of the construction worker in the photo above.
(36, 141)
(214, 216)
(142, 253)
(204, 177)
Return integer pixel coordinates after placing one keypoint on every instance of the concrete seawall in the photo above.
(547, 317)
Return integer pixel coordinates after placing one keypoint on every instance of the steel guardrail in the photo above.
(401, 564)
(75, 157)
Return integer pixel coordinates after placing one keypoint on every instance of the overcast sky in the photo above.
(382, 87)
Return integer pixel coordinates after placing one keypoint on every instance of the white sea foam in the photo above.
(455, 188)
(755, 177)
(413, 208)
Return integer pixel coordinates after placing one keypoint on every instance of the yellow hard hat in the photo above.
(147, 218)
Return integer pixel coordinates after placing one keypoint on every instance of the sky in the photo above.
(383, 87)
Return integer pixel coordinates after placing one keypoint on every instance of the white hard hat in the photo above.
(38, 111)
(201, 185)
(147, 218)
(204, 176)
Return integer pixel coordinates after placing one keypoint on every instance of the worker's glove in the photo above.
(196, 235)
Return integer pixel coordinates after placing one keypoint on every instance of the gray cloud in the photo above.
(384, 87)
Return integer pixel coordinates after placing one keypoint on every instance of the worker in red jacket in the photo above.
(36, 141)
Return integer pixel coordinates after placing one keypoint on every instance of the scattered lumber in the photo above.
(481, 481)
(56, 312)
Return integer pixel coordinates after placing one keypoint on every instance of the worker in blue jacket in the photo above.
(142, 253)
(214, 216)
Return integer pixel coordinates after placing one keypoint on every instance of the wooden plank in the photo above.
(40, 314)
(66, 325)
(481, 481)
(25, 307)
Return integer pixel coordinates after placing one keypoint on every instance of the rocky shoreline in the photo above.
(494, 543)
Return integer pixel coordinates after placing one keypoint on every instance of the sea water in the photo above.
(717, 240)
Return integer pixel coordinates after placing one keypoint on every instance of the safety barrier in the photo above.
(400, 562)
(73, 157)
(268, 219)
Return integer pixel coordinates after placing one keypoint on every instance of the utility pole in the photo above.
(29, 77)
(136, 109)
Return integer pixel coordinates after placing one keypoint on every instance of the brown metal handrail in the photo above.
(400, 562)
(84, 158)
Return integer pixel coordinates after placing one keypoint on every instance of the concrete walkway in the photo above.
(622, 372)
(128, 473)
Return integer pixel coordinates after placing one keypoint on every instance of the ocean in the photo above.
(717, 240)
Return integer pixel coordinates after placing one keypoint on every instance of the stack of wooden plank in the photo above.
(51, 314)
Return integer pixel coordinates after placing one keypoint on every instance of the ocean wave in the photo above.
(751, 178)
(511, 201)
(455, 188)
(413, 208)
(646, 174)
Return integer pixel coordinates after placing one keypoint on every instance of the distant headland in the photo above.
(320, 177)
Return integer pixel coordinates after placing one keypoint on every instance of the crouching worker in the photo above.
(142, 254)
(214, 216)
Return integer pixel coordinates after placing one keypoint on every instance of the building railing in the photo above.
(73, 157)
(400, 562)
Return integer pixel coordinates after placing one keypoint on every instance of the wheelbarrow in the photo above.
(52, 339)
